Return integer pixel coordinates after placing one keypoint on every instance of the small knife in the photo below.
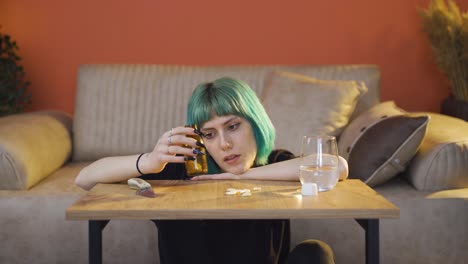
(142, 187)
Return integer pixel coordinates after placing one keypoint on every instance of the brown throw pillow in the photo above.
(379, 143)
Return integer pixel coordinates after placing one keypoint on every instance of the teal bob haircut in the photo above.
(229, 96)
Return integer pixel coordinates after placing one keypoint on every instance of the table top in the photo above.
(207, 200)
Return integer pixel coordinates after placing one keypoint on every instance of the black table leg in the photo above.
(371, 227)
(95, 240)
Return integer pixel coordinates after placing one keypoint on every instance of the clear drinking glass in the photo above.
(319, 162)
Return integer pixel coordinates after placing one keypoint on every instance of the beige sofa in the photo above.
(122, 109)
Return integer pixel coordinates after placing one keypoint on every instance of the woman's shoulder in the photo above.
(278, 155)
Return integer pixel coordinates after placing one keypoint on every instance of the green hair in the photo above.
(229, 96)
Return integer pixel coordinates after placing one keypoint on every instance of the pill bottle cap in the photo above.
(309, 189)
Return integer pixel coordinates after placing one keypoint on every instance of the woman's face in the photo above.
(231, 143)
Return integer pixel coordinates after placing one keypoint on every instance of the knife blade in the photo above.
(142, 187)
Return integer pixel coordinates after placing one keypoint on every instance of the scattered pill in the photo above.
(238, 192)
(230, 192)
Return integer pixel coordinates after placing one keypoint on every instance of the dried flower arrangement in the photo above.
(447, 30)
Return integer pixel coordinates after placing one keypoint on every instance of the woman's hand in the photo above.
(221, 176)
(121, 168)
(172, 143)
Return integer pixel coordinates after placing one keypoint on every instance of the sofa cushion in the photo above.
(123, 109)
(300, 105)
(379, 143)
(32, 146)
(442, 160)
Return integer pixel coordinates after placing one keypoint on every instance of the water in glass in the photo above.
(319, 162)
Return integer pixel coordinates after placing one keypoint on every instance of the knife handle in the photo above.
(138, 184)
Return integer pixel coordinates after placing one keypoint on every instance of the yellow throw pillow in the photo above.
(32, 146)
(442, 160)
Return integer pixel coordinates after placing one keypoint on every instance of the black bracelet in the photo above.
(138, 169)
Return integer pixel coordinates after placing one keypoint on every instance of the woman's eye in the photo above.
(233, 126)
(208, 135)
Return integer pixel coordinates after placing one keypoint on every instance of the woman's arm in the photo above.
(115, 169)
(107, 170)
(282, 171)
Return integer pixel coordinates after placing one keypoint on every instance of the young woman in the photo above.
(239, 138)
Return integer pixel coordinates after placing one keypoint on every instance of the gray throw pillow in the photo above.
(380, 142)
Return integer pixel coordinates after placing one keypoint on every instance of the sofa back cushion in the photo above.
(123, 109)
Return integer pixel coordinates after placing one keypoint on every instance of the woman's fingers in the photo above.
(172, 150)
(179, 131)
(178, 136)
(181, 140)
(172, 146)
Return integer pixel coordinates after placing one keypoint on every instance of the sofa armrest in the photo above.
(442, 160)
(32, 146)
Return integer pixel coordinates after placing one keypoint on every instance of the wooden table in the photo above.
(207, 200)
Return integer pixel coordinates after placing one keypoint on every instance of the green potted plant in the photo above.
(447, 31)
(13, 85)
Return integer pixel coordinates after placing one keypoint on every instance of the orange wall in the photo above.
(56, 36)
